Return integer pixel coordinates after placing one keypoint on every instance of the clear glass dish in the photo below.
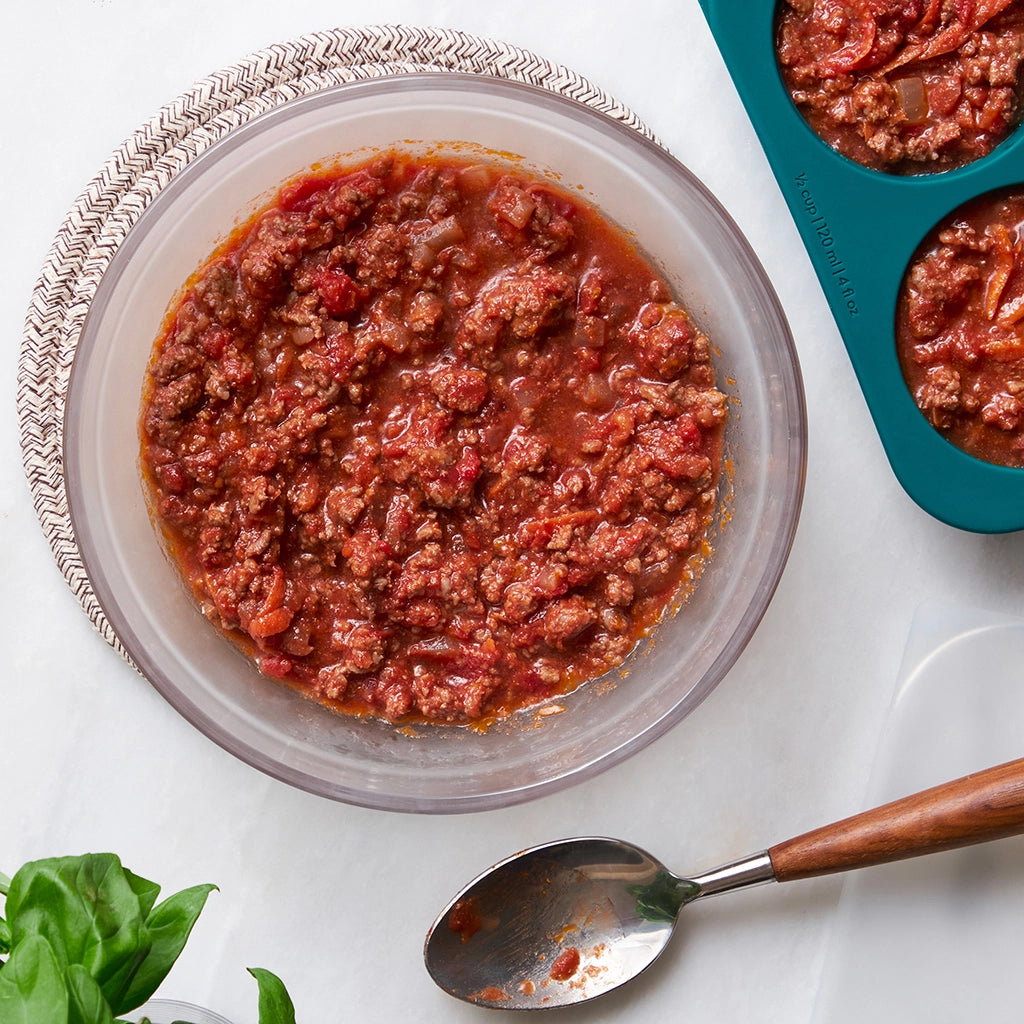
(437, 768)
(171, 1011)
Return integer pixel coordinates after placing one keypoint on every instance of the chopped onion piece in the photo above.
(442, 234)
(476, 177)
(910, 95)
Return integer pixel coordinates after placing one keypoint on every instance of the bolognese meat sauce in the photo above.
(432, 440)
(905, 86)
(960, 328)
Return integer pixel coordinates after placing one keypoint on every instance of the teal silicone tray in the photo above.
(861, 228)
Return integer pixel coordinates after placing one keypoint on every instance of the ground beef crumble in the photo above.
(432, 440)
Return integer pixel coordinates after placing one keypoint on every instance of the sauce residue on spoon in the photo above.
(465, 919)
(566, 964)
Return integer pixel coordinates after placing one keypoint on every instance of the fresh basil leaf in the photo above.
(86, 1004)
(88, 910)
(275, 1004)
(145, 890)
(168, 926)
(32, 987)
(5, 929)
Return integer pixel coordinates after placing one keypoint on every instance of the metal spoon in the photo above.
(567, 921)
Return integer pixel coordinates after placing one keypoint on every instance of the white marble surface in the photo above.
(336, 899)
(904, 930)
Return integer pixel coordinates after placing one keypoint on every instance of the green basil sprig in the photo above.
(84, 940)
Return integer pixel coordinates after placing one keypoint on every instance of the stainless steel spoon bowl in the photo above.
(568, 921)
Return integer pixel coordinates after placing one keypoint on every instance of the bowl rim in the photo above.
(426, 82)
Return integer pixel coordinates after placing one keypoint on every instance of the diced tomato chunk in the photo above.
(338, 292)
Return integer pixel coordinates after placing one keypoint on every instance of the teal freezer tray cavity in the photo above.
(861, 228)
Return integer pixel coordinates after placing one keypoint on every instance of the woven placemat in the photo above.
(115, 198)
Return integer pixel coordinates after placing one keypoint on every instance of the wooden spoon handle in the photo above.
(975, 809)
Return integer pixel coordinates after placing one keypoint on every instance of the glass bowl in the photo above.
(172, 1011)
(439, 769)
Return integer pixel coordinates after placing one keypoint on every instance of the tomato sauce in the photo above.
(960, 328)
(432, 440)
(566, 964)
(905, 86)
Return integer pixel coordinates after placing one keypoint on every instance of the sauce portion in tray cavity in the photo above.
(905, 86)
(432, 440)
(960, 328)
